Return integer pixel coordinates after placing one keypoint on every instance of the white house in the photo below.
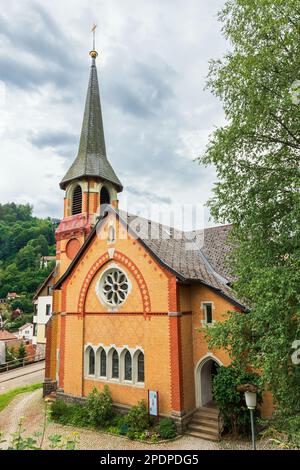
(42, 312)
(26, 331)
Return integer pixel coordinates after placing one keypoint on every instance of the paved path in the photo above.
(27, 375)
(31, 406)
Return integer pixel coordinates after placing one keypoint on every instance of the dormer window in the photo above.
(77, 200)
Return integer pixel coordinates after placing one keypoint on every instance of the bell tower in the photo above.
(90, 181)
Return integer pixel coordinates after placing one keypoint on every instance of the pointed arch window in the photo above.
(128, 366)
(140, 367)
(77, 200)
(91, 362)
(103, 363)
(104, 196)
(115, 365)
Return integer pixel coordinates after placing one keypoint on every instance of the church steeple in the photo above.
(90, 182)
(91, 160)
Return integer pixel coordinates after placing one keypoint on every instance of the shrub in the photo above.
(99, 406)
(231, 403)
(288, 430)
(123, 429)
(69, 414)
(137, 418)
(59, 409)
(167, 428)
(21, 351)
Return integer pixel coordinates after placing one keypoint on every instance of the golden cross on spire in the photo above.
(94, 53)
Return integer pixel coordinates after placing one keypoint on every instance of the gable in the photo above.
(148, 280)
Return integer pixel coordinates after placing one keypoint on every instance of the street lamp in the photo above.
(250, 392)
(250, 398)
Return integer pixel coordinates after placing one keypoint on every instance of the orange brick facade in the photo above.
(161, 316)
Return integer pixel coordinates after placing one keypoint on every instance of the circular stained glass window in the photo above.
(114, 287)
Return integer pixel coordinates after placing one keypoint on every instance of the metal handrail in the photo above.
(21, 362)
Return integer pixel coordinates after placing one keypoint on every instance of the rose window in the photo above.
(114, 287)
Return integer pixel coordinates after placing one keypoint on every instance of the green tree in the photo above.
(256, 156)
(21, 351)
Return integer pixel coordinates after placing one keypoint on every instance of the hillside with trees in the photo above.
(24, 239)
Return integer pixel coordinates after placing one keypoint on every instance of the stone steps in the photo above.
(205, 424)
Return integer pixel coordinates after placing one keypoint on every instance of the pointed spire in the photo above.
(91, 159)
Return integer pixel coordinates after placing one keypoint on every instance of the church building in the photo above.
(130, 295)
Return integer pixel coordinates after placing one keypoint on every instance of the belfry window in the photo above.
(104, 196)
(77, 201)
(128, 366)
(140, 367)
(91, 362)
(115, 365)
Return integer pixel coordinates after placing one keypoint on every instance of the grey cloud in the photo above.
(43, 39)
(53, 139)
(151, 197)
(140, 89)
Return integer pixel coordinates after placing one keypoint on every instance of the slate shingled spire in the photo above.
(91, 160)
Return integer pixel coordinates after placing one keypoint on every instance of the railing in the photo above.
(22, 362)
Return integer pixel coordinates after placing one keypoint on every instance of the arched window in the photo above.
(128, 366)
(91, 362)
(140, 367)
(104, 196)
(77, 200)
(103, 363)
(115, 365)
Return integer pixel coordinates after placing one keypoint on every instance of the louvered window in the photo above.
(77, 201)
(104, 196)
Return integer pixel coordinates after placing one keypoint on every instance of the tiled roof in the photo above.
(91, 159)
(6, 335)
(198, 256)
(43, 284)
(27, 325)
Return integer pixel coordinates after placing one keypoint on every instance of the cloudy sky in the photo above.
(152, 64)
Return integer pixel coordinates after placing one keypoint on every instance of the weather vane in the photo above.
(94, 53)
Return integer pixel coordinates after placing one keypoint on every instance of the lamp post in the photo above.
(250, 398)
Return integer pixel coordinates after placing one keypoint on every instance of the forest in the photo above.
(24, 239)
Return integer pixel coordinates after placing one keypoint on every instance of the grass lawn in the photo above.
(7, 397)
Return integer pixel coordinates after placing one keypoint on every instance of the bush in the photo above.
(99, 407)
(69, 414)
(59, 409)
(287, 429)
(167, 428)
(21, 351)
(231, 403)
(137, 418)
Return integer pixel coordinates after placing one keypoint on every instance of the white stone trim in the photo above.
(99, 286)
(109, 351)
(203, 305)
(197, 375)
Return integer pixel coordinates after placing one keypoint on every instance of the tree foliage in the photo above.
(23, 240)
(230, 401)
(256, 156)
